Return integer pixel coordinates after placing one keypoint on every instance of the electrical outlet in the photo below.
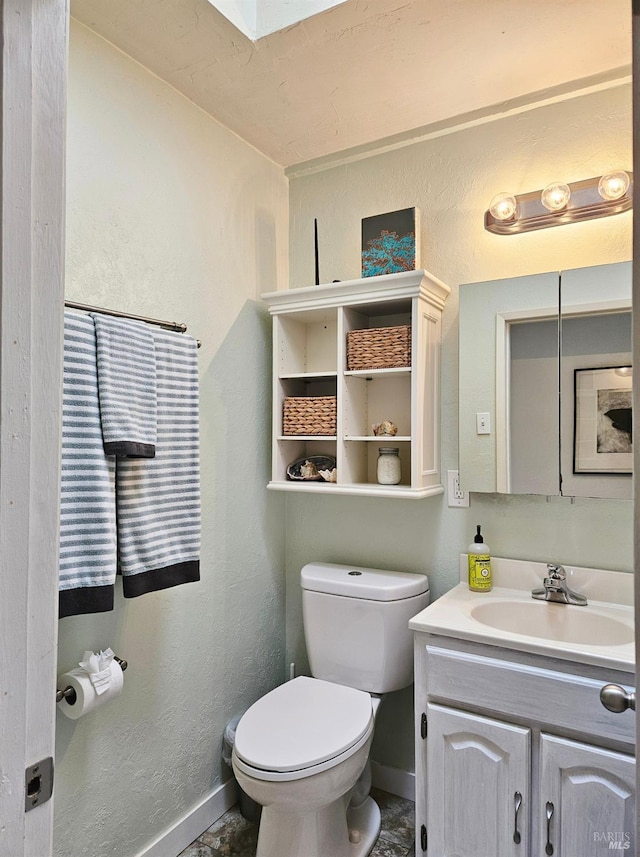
(457, 497)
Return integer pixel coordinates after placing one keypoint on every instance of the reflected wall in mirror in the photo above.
(521, 343)
(533, 408)
(596, 328)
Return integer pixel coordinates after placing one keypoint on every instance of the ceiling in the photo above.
(367, 70)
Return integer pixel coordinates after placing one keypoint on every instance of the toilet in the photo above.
(302, 750)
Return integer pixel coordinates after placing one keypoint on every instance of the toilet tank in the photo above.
(356, 624)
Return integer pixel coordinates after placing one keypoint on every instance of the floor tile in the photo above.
(397, 817)
(385, 848)
(231, 835)
(198, 850)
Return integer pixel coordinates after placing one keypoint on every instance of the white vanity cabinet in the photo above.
(310, 328)
(516, 756)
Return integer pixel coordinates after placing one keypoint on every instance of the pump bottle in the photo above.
(479, 564)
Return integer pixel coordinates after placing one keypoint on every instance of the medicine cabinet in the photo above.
(310, 329)
(545, 384)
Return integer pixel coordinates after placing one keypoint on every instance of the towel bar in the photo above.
(177, 326)
(69, 693)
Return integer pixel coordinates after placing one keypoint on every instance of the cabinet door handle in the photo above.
(548, 849)
(617, 699)
(517, 803)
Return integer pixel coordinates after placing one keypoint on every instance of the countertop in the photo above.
(610, 596)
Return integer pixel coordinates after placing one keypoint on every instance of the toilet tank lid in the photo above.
(374, 584)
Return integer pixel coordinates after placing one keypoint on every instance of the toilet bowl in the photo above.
(299, 752)
(302, 750)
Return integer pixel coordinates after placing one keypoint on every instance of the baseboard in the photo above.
(393, 780)
(195, 822)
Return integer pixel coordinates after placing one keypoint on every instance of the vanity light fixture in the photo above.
(556, 196)
(559, 203)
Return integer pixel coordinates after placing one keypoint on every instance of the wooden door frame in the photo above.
(32, 171)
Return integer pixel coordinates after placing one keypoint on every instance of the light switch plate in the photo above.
(483, 423)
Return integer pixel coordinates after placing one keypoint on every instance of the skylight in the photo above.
(259, 18)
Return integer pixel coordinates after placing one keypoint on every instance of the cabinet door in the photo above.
(589, 794)
(478, 775)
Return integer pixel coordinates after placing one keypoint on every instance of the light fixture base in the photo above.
(585, 203)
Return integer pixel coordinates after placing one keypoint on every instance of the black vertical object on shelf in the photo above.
(315, 247)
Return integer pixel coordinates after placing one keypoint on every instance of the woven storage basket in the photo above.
(379, 348)
(309, 415)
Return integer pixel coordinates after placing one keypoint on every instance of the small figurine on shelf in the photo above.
(329, 475)
(309, 470)
(385, 429)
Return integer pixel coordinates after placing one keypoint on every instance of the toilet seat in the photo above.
(301, 728)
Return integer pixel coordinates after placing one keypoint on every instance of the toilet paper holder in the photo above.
(69, 693)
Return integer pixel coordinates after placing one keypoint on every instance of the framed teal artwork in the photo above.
(390, 242)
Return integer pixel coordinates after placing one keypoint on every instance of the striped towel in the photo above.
(88, 511)
(158, 500)
(126, 386)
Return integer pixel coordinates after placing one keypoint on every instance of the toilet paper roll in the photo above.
(86, 697)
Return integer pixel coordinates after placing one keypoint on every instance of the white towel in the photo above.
(87, 506)
(158, 500)
(126, 386)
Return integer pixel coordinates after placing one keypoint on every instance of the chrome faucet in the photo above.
(555, 588)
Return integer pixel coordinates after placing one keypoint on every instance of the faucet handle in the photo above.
(556, 572)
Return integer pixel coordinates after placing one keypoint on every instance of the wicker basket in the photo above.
(379, 348)
(309, 415)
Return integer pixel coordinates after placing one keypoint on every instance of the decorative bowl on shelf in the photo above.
(311, 468)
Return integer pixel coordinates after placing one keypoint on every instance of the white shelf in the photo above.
(368, 489)
(310, 328)
(400, 371)
(388, 440)
(306, 437)
(306, 376)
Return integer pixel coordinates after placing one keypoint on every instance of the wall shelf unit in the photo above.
(310, 327)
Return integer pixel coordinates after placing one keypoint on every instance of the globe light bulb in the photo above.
(613, 185)
(556, 196)
(503, 206)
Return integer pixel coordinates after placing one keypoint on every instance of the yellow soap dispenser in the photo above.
(479, 564)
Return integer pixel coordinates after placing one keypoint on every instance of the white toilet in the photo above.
(302, 750)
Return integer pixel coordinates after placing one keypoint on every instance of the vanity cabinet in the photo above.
(310, 329)
(516, 757)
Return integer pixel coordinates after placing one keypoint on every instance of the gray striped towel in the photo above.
(88, 512)
(158, 500)
(126, 386)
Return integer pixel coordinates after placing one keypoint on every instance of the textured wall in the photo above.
(451, 179)
(172, 216)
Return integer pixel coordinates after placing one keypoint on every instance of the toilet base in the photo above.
(364, 827)
(344, 833)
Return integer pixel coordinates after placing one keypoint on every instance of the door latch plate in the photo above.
(38, 783)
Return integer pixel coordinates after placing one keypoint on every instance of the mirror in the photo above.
(545, 361)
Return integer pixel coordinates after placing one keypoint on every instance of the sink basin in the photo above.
(560, 622)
